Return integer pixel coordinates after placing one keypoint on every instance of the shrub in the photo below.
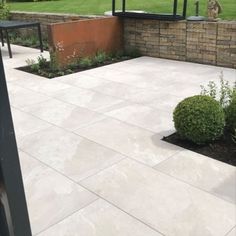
(230, 114)
(199, 119)
(4, 11)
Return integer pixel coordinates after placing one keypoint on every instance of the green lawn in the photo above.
(100, 6)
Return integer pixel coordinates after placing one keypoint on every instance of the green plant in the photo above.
(42, 61)
(223, 94)
(33, 65)
(199, 119)
(4, 11)
(230, 114)
(100, 58)
(132, 52)
(234, 136)
(85, 62)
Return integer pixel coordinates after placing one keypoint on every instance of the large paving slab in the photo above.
(201, 171)
(73, 156)
(26, 124)
(100, 218)
(132, 141)
(162, 202)
(63, 114)
(50, 196)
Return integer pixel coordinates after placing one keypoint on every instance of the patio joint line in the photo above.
(121, 154)
(89, 190)
(64, 218)
(230, 230)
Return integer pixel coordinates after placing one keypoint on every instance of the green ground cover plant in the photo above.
(100, 6)
(51, 69)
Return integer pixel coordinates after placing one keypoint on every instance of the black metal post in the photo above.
(40, 38)
(175, 8)
(185, 8)
(113, 7)
(13, 209)
(2, 38)
(123, 5)
(8, 44)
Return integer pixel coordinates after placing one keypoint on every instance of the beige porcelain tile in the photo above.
(26, 124)
(86, 98)
(100, 219)
(68, 153)
(145, 117)
(162, 202)
(203, 172)
(232, 232)
(65, 115)
(20, 97)
(119, 90)
(41, 85)
(50, 196)
(129, 140)
(82, 80)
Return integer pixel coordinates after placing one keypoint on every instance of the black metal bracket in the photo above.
(138, 15)
(14, 219)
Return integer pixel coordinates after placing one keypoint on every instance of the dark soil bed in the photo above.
(223, 149)
(49, 73)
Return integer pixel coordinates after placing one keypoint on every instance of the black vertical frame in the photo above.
(174, 16)
(14, 219)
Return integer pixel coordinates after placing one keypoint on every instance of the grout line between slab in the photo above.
(230, 230)
(74, 212)
(97, 195)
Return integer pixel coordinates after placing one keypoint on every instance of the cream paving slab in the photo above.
(86, 98)
(41, 85)
(26, 124)
(68, 153)
(65, 115)
(232, 232)
(129, 140)
(203, 172)
(50, 196)
(21, 97)
(162, 202)
(82, 80)
(119, 90)
(145, 117)
(127, 92)
(164, 101)
(100, 219)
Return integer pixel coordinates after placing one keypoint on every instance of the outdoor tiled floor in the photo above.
(92, 157)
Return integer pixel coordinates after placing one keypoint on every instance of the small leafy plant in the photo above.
(223, 94)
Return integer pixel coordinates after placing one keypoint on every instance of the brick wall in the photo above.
(203, 42)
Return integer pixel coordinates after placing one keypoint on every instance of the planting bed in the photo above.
(223, 149)
(49, 72)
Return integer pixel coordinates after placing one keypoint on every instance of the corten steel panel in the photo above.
(85, 37)
(13, 210)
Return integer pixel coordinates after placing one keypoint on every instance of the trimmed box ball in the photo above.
(199, 119)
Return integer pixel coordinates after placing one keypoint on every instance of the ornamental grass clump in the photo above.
(199, 119)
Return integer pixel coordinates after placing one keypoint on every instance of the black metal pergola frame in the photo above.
(158, 16)
(14, 219)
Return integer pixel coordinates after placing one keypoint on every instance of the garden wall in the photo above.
(45, 19)
(203, 42)
(70, 40)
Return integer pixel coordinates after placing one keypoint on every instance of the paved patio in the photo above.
(92, 157)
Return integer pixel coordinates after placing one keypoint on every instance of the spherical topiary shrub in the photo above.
(199, 119)
(230, 114)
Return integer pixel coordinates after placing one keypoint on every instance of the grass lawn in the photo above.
(86, 7)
